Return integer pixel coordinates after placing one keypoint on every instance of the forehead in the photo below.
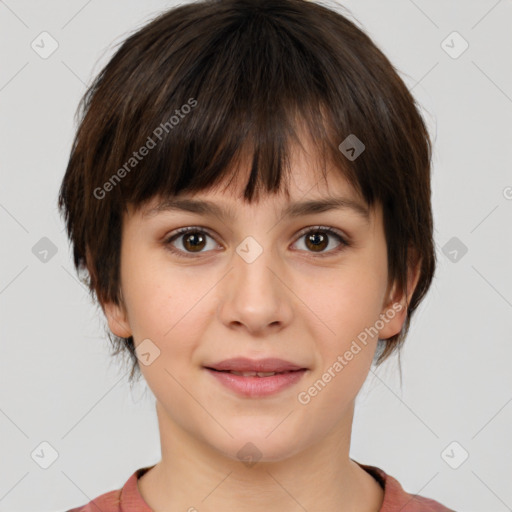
(306, 188)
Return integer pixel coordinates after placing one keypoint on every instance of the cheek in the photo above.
(154, 295)
(348, 307)
(346, 302)
(169, 305)
(345, 344)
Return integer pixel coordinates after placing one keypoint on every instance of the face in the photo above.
(309, 289)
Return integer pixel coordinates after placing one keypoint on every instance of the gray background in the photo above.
(58, 383)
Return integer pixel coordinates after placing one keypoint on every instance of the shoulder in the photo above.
(396, 499)
(108, 502)
(126, 499)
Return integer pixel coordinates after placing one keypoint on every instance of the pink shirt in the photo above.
(128, 499)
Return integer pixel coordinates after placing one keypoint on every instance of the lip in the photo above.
(244, 364)
(257, 387)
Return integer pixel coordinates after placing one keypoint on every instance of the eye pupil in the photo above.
(316, 238)
(195, 243)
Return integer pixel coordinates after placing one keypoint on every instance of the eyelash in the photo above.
(314, 229)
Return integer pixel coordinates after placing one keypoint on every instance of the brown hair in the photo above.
(207, 82)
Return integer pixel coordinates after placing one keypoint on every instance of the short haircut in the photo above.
(210, 84)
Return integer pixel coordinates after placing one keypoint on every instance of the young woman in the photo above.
(249, 191)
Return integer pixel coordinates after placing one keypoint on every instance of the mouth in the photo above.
(254, 384)
(254, 374)
(245, 365)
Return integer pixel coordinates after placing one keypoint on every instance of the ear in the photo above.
(394, 311)
(117, 319)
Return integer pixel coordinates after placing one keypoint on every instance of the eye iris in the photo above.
(195, 244)
(195, 241)
(314, 237)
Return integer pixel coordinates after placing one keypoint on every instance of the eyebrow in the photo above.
(205, 207)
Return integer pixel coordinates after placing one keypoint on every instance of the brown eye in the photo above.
(317, 241)
(194, 241)
(191, 240)
(318, 238)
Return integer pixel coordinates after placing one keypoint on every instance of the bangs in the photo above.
(252, 87)
(213, 86)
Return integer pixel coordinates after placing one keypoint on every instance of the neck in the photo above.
(193, 475)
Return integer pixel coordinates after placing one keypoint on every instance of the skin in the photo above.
(289, 303)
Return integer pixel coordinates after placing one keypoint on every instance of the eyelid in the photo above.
(189, 229)
(319, 227)
(343, 238)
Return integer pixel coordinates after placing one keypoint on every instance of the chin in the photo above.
(266, 430)
(252, 445)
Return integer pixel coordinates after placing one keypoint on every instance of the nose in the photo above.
(254, 295)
